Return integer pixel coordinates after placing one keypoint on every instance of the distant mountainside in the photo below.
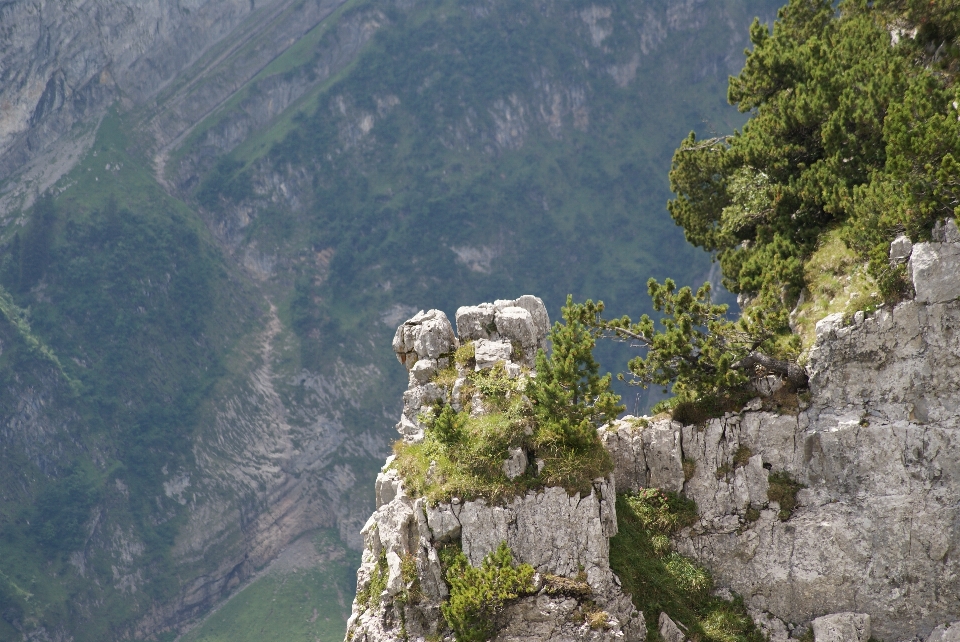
(214, 216)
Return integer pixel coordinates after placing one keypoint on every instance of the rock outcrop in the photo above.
(561, 536)
(876, 527)
(837, 515)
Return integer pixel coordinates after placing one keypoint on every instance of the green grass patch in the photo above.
(837, 280)
(661, 580)
(462, 455)
(783, 489)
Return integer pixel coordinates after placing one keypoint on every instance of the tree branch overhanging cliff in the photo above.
(698, 351)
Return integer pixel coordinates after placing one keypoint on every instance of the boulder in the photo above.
(515, 464)
(900, 249)
(428, 335)
(476, 322)
(488, 353)
(516, 324)
(669, 630)
(935, 271)
(945, 633)
(842, 627)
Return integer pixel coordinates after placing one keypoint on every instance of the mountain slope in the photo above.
(196, 357)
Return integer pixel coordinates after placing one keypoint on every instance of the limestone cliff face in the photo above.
(876, 529)
(868, 549)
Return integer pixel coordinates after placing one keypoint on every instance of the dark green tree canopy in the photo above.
(853, 124)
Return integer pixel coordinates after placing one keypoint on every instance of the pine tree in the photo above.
(570, 397)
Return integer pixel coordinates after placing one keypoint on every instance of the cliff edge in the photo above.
(832, 513)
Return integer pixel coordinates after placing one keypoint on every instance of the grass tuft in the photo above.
(783, 490)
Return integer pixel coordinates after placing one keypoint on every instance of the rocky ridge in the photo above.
(839, 516)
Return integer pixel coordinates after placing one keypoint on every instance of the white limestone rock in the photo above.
(559, 619)
(488, 353)
(428, 335)
(945, 232)
(443, 522)
(945, 633)
(516, 324)
(423, 370)
(476, 322)
(900, 249)
(935, 271)
(828, 325)
(842, 627)
(516, 464)
(645, 455)
(669, 630)
(876, 528)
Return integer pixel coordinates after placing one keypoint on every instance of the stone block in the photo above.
(515, 464)
(669, 630)
(842, 627)
(935, 271)
(487, 353)
(475, 322)
(900, 249)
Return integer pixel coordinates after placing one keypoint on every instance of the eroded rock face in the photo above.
(556, 533)
(877, 446)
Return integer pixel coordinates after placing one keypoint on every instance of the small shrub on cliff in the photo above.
(570, 397)
(477, 595)
(783, 489)
(369, 596)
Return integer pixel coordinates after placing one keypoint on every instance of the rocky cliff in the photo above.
(563, 537)
(833, 512)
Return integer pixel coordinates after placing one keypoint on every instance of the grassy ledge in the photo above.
(661, 580)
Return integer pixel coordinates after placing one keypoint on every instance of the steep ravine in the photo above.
(863, 544)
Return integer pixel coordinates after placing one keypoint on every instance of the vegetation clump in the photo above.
(708, 359)
(478, 594)
(783, 489)
(853, 133)
(661, 580)
(369, 596)
(552, 416)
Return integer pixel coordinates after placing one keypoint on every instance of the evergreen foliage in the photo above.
(477, 595)
(570, 398)
(851, 125)
(707, 358)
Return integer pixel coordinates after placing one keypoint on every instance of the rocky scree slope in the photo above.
(839, 518)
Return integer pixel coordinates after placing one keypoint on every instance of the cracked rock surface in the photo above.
(876, 531)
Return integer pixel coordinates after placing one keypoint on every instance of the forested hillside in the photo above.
(196, 315)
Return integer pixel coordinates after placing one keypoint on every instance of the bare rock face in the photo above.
(842, 627)
(557, 534)
(876, 525)
(945, 633)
